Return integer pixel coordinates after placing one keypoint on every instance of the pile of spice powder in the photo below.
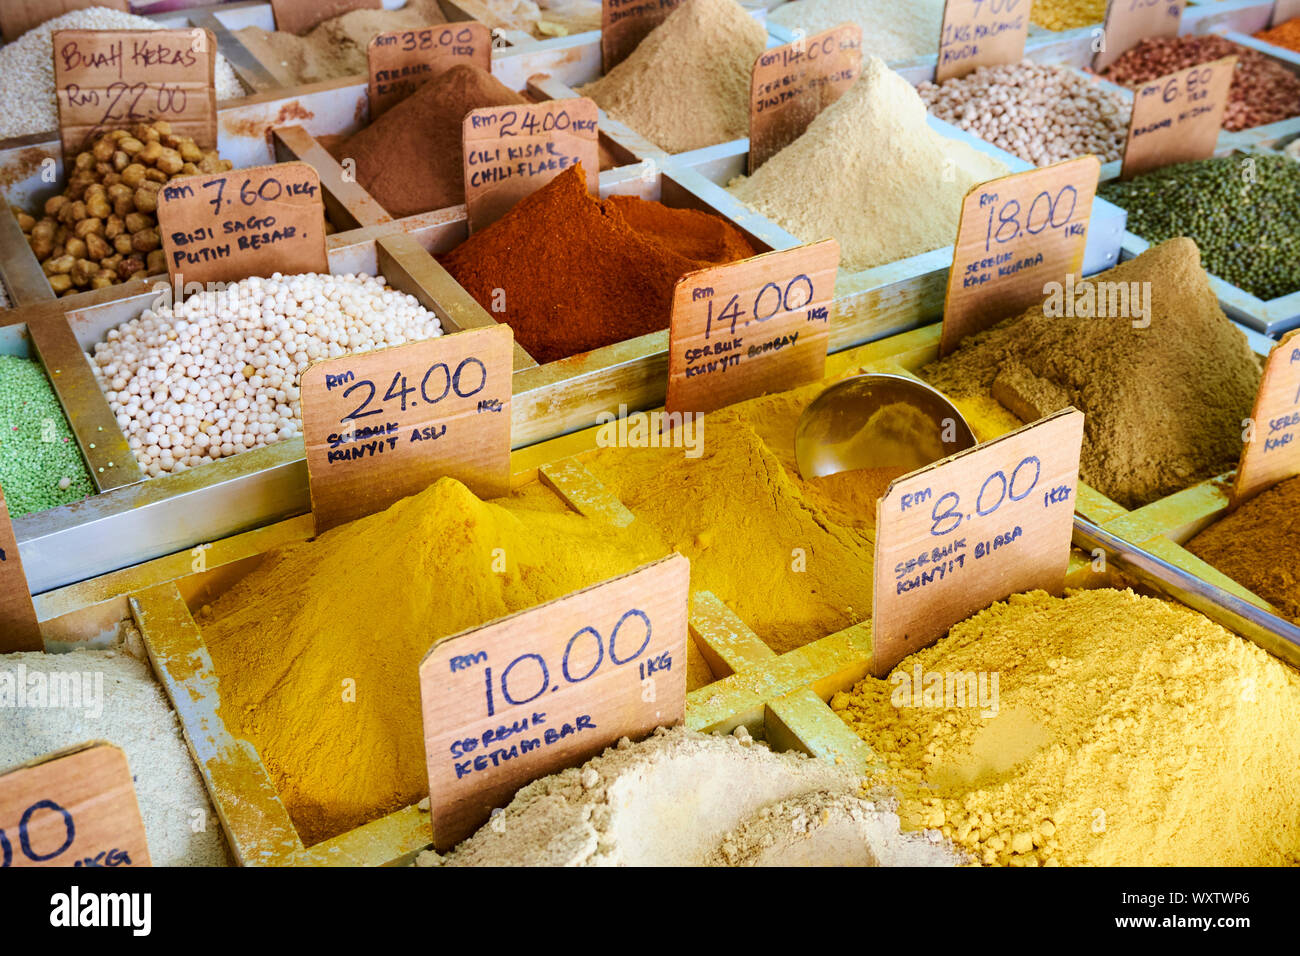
(411, 159)
(40, 463)
(1263, 91)
(871, 173)
(1098, 729)
(570, 273)
(741, 513)
(1258, 546)
(546, 18)
(289, 638)
(686, 85)
(1285, 34)
(334, 47)
(681, 798)
(890, 30)
(1242, 211)
(1163, 394)
(1067, 14)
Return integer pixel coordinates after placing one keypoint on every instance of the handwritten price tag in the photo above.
(513, 151)
(750, 327)
(956, 536)
(1016, 234)
(1176, 118)
(1130, 21)
(791, 84)
(19, 630)
(1273, 453)
(403, 60)
(299, 16)
(111, 79)
(547, 688)
(19, 16)
(625, 23)
(248, 222)
(73, 808)
(383, 425)
(981, 33)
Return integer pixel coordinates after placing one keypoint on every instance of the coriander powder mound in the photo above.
(1121, 731)
(686, 85)
(1163, 402)
(871, 173)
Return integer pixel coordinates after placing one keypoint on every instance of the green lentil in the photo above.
(1242, 211)
(37, 450)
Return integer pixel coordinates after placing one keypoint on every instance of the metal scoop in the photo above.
(878, 421)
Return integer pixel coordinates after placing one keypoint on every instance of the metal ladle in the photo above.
(878, 421)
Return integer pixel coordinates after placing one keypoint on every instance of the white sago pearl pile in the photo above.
(1043, 114)
(218, 374)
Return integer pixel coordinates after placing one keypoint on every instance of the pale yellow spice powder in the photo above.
(1128, 731)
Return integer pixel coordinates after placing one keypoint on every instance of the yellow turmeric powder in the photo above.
(1101, 728)
(317, 652)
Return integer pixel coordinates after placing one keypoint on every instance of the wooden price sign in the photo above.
(981, 33)
(1176, 118)
(972, 529)
(513, 151)
(1128, 22)
(1016, 234)
(248, 222)
(1285, 10)
(19, 630)
(401, 61)
(76, 807)
(547, 688)
(111, 79)
(299, 16)
(19, 16)
(383, 425)
(625, 23)
(750, 327)
(1273, 453)
(791, 84)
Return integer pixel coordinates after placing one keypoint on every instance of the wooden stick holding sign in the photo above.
(1176, 118)
(299, 16)
(625, 23)
(1272, 453)
(751, 327)
(75, 807)
(19, 630)
(547, 688)
(513, 151)
(113, 79)
(401, 61)
(972, 529)
(19, 16)
(1016, 234)
(383, 425)
(1128, 22)
(248, 222)
(981, 33)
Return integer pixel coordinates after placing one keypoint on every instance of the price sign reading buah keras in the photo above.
(958, 535)
(981, 33)
(1176, 118)
(1128, 22)
(76, 807)
(1273, 452)
(1017, 234)
(401, 61)
(383, 425)
(513, 151)
(113, 79)
(750, 327)
(248, 222)
(547, 688)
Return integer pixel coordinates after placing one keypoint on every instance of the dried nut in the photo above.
(54, 204)
(44, 229)
(147, 240)
(111, 179)
(122, 244)
(137, 221)
(114, 226)
(86, 226)
(156, 262)
(61, 235)
(82, 271)
(42, 249)
(128, 266)
(189, 169)
(157, 175)
(97, 247)
(60, 283)
(120, 161)
(133, 175)
(163, 127)
(25, 222)
(103, 169)
(99, 207)
(60, 265)
(149, 155)
(124, 206)
(130, 145)
(103, 281)
(84, 161)
(117, 134)
(190, 151)
(78, 248)
(146, 200)
(170, 162)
